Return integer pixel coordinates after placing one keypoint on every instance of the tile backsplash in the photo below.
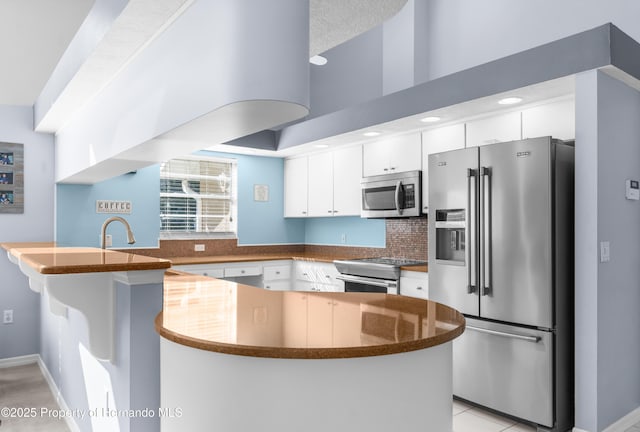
(405, 238)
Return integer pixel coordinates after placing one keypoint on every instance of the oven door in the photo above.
(365, 284)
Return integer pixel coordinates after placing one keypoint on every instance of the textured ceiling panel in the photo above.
(336, 21)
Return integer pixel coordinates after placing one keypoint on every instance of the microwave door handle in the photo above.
(398, 190)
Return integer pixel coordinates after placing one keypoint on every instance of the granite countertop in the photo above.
(222, 316)
(46, 258)
(221, 259)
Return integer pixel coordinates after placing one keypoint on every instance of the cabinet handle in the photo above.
(304, 212)
(205, 274)
(419, 288)
(242, 271)
(386, 169)
(329, 211)
(393, 168)
(277, 272)
(268, 287)
(335, 211)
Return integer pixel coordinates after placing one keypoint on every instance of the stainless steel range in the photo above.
(381, 275)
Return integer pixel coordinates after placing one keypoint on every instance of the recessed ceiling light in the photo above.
(430, 119)
(372, 134)
(510, 100)
(318, 60)
(322, 145)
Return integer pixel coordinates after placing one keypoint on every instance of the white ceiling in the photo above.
(35, 33)
(33, 36)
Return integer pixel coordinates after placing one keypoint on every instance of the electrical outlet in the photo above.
(7, 317)
(199, 248)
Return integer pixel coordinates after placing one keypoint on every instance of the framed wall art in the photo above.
(11, 178)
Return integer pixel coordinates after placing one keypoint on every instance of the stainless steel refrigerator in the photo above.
(501, 252)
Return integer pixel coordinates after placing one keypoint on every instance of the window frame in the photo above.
(195, 235)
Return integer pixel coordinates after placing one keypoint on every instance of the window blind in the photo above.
(197, 196)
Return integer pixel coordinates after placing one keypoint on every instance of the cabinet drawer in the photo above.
(242, 271)
(277, 272)
(414, 287)
(215, 272)
(279, 285)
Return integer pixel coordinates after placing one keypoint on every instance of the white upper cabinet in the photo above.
(347, 173)
(321, 185)
(397, 154)
(295, 187)
(490, 130)
(556, 119)
(436, 141)
(324, 184)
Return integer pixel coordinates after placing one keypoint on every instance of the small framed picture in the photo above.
(6, 158)
(11, 178)
(260, 192)
(6, 178)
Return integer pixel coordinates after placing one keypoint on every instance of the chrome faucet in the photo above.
(130, 238)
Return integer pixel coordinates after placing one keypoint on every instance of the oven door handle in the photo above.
(366, 280)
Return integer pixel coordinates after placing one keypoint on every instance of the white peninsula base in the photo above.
(210, 391)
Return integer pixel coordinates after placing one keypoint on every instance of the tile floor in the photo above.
(467, 418)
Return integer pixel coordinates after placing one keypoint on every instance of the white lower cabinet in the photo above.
(277, 276)
(316, 276)
(414, 284)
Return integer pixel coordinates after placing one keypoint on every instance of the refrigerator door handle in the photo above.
(534, 339)
(470, 245)
(485, 269)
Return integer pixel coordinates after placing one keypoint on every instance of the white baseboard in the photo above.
(71, 423)
(19, 361)
(625, 422)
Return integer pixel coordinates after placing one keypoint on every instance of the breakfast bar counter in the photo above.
(236, 357)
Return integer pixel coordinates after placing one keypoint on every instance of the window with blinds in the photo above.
(197, 198)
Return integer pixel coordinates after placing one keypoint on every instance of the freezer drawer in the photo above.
(506, 368)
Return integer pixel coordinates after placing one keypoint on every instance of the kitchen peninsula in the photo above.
(98, 345)
(236, 357)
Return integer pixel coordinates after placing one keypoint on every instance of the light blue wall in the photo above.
(35, 224)
(262, 222)
(78, 224)
(357, 231)
(258, 222)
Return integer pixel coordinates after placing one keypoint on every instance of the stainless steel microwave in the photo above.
(392, 195)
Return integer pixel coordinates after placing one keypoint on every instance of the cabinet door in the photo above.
(320, 197)
(294, 313)
(295, 187)
(555, 119)
(396, 154)
(346, 324)
(406, 153)
(347, 173)
(415, 287)
(436, 141)
(375, 158)
(320, 321)
(491, 130)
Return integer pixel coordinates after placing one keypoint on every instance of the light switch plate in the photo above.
(199, 248)
(605, 253)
